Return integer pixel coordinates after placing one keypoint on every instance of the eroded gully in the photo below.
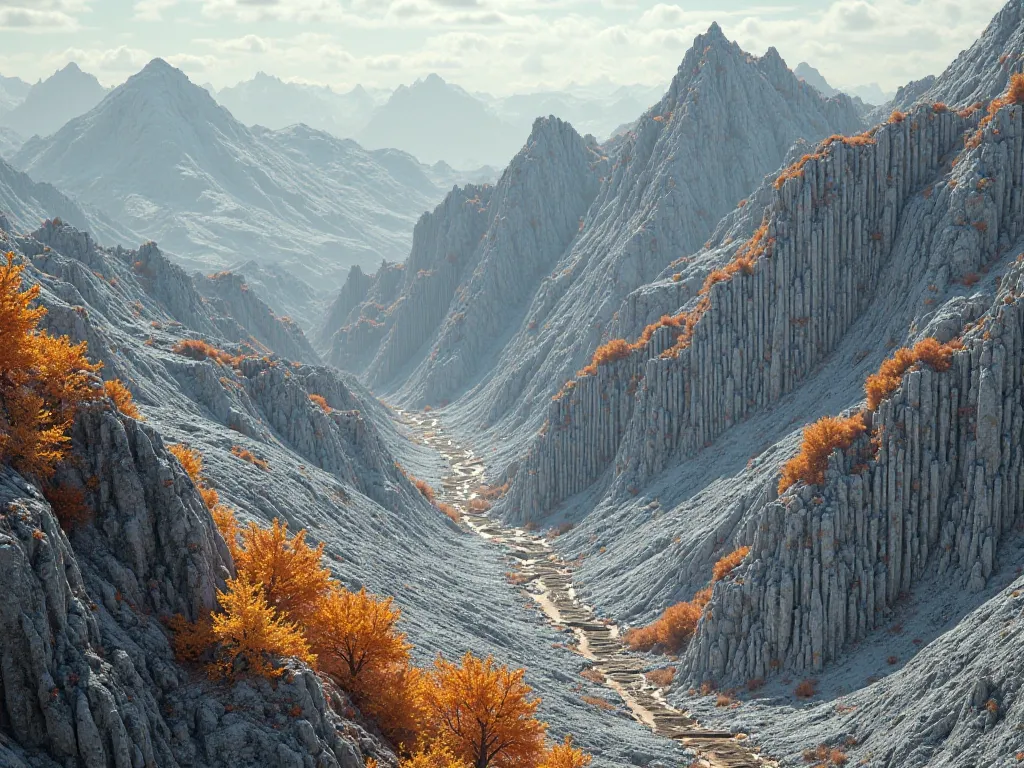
(547, 578)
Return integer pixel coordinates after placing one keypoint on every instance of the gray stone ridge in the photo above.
(829, 240)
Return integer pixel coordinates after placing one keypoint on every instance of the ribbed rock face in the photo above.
(978, 74)
(236, 300)
(831, 231)
(357, 339)
(691, 159)
(475, 293)
(352, 294)
(938, 498)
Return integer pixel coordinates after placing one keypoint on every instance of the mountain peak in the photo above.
(434, 80)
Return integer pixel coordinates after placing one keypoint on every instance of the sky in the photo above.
(499, 46)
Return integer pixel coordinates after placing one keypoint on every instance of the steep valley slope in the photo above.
(877, 611)
(89, 677)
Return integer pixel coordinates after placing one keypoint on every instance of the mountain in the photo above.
(871, 93)
(508, 287)
(25, 203)
(51, 103)
(13, 91)
(91, 606)
(433, 121)
(596, 116)
(813, 78)
(160, 155)
(979, 73)
(273, 103)
(10, 141)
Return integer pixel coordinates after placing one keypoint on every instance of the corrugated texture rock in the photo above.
(832, 229)
(944, 490)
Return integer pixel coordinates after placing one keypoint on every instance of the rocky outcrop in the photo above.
(829, 232)
(946, 487)
(352, 294)
(232, 297)
(939, 497)
(979, 73)
(87, 676)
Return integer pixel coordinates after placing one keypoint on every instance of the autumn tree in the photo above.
(287, 569)
(565, 755)
(355, 635)
(43, 380)
(192, 462)
(483, 713)
(249, 629)
(122, 397)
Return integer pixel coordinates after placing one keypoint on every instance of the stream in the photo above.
(547, 579)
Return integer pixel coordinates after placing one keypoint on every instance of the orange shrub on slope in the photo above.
(43, 381)
(820, 439)
(122, 397)
(927, 351)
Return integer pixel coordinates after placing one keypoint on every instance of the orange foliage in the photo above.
(192, 462)
(820, 439)
(196, 349)
(673, 630)
(68, 504)
(728, 564)
(806, 689)
(614, 350)
(355, 634)
(249, 630)
(43, 381)
(287, 570)
(661, 678)
(423, 487)
(246, 455)
(483, 713)
(897, 116)
(927, 351)
(122, 397)
(224, 519)
(320, 401)
(433, 756)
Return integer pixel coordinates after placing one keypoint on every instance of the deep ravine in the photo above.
(547, 579)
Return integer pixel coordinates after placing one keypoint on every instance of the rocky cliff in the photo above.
(815, 267)
(939, 496)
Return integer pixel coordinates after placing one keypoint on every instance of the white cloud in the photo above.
(152, 10)
(120, 60)
(246, 44)
(33, 19)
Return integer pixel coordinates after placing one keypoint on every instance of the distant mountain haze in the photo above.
(161, 156)
(50, 103)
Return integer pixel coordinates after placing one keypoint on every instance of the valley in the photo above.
(699, 441)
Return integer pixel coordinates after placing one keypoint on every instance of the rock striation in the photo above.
(828, 234)
(939, 497)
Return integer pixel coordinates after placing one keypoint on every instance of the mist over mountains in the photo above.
(703, 405)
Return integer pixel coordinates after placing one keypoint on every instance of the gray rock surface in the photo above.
(978, 74)
(159, 155)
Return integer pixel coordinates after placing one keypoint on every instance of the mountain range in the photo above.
(713, 425)
(50, 103)
(179, 169)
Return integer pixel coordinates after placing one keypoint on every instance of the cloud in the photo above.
(188, 62)
(246, 44)
(152, 10)
(35, 19)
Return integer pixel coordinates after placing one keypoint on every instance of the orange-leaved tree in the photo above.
(122, 397)
(565, 755)
(43, 380)
(355, 634)
(250, 629)
(287, 569)
(483, 712)
(192, 462)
